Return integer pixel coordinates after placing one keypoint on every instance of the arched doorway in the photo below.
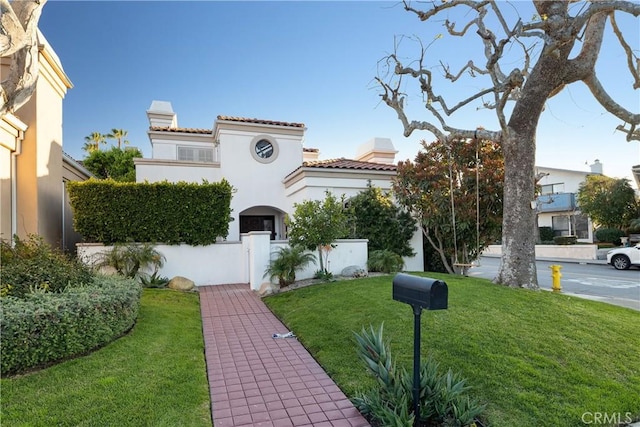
(263, 218)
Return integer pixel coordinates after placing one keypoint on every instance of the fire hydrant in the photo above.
(555, 278)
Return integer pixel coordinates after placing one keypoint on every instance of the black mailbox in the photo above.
(422, 292)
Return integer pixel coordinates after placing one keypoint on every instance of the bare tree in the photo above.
(560, 46)
(18, 41)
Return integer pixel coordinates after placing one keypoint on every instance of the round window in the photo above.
(264, 149)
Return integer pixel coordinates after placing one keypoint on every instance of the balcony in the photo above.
(559, 202)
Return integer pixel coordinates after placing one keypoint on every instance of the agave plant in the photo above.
(286, 262)
(444, 397)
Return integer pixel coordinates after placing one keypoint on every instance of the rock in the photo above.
(353, 271)
(180, 283)
(267, 288)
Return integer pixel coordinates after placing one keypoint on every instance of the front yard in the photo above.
(154, 376)
(535, 358)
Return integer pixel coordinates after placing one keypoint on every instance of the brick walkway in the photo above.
(256, 380)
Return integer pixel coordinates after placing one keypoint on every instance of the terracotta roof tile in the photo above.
(311, 150)
(343, 163)
(260, 121)
(181, 130)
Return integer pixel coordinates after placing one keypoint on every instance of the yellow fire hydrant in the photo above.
(555, 278)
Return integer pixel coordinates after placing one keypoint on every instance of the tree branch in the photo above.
(601, 95)
(635, 70)
(21, 45)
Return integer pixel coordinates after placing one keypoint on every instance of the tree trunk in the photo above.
(550, 74)
(518, 266)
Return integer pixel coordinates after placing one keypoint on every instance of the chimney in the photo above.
(377, 150)
(161, 114)
(310, 154)
(596, 167)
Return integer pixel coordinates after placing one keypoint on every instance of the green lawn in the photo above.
(535, 358)
(154, 376)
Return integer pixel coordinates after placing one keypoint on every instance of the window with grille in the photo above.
(195, 154)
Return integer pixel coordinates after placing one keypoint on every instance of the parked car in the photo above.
(623, 258)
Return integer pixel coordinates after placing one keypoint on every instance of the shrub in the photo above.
(634, 226)
(286, 262)
(324, 275)
(546, 234)
(32, 265)
(374, 216)
(109, 212)
(44, 328)
(444, 397)
(565, 240)
(609, 235)
(385, 261)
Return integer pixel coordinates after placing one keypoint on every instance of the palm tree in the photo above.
(93, 142)
(287, 262)
(119, 135)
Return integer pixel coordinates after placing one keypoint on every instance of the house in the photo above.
(266, 163)
(33, 167)
(556, 205)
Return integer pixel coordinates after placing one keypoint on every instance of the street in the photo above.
(593, 281)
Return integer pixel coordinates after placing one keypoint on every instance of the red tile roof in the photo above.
(260, 121)
(343, 163)
(181, 130)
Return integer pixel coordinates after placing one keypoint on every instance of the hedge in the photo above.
(565, 240)
(106, 211)
(48, 327)
(609, 235)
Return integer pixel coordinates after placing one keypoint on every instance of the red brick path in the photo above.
(256, 380)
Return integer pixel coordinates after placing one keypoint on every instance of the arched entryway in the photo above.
(263, 218)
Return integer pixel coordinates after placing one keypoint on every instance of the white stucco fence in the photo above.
(554, 251)
(236, 262)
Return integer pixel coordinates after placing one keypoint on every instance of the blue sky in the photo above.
(296, 61)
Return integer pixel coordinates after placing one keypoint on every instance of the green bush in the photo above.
(609, 235)
(31, 265)
(385, 261)
(47, 327)
(634, 226)
(565, 240)
(107, 211)
(444, 398)
(374, 216)
(546, 234)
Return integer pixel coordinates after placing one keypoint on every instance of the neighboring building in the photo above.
(267, 166)
(33, 167)
(557, 207)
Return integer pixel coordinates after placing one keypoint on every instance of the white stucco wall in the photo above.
(570, 179)
(174, 171)
(221, 263)
(555, 251)
(235, 262)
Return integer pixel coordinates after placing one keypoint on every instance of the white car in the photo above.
(623, 258)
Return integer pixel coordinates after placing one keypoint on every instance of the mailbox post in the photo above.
(419, 293)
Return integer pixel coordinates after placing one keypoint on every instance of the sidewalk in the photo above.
(258, 380)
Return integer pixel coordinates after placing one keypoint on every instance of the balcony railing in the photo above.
(560, 202)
